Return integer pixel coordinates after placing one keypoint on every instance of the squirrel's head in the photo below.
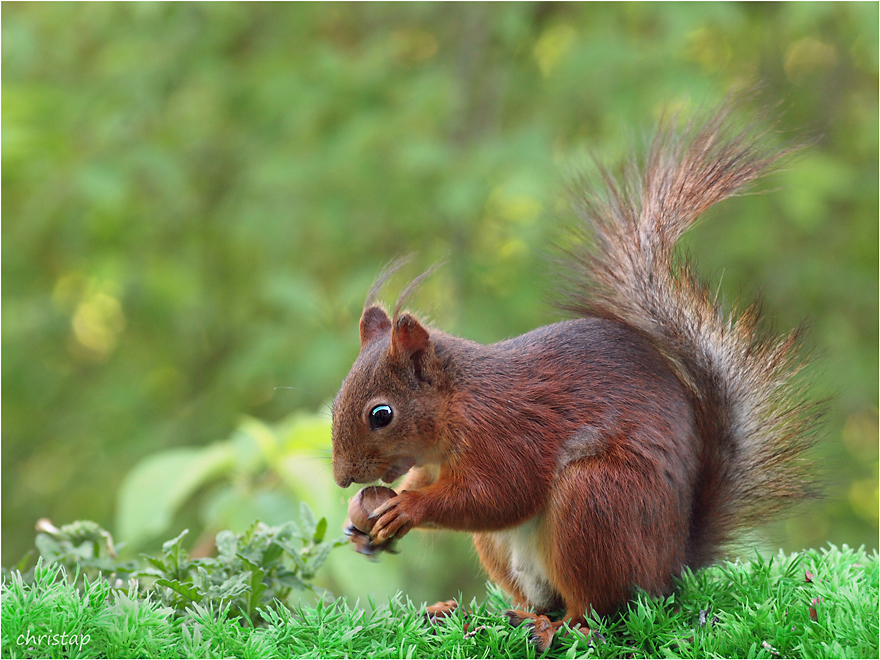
(386, 415)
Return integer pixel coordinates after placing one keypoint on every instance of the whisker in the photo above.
(318, 455)
(298, 389)
(325, 410)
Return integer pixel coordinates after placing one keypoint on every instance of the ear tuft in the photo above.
(374, 323)
(409, 336)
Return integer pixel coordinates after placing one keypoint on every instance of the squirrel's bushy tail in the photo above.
(753, 417)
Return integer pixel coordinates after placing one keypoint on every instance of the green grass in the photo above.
(756, 609)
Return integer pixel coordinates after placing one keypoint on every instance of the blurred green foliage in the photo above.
(197, 196)
(262, 567)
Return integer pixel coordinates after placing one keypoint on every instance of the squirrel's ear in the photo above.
(409, 337)
(374, 322)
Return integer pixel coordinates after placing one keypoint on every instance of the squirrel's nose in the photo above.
(340, 468)
(341, 475)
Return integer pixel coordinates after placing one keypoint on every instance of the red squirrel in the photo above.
(599, 454)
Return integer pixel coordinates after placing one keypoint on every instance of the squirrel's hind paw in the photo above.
(542, 628)
(440, 610)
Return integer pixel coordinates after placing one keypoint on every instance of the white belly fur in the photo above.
(526, 568)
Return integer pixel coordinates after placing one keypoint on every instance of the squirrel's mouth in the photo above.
(400, 467)
(388, 470)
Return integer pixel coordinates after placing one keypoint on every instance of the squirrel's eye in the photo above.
(381, 416)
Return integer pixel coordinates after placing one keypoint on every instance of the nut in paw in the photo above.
(363, 505)
(395, 517)
(361, 510)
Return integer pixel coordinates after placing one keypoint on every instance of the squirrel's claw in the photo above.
(365, 545)
(393, 520)
(542, 628)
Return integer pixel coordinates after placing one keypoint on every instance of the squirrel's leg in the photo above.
(616, 524)
(496, 560)
(613, 526)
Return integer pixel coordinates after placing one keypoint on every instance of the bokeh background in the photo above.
(196, 198)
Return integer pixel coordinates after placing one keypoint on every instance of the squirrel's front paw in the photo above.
(395, 518)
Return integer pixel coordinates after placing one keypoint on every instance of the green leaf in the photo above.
(349, 635)
(292, 580)
(206, 584)
(251, 532)
(50, 549)
(156, 563)
(271, 554)
(289, 530)
(154, 490)
(323, 551)
(320, 530)
(187, 590)
(175, 555)
(233, 587)
(308, 519)
(256, 585)
(173, 546)
(227, 546)
(293, 553)
(262, 435)
(307, 432)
